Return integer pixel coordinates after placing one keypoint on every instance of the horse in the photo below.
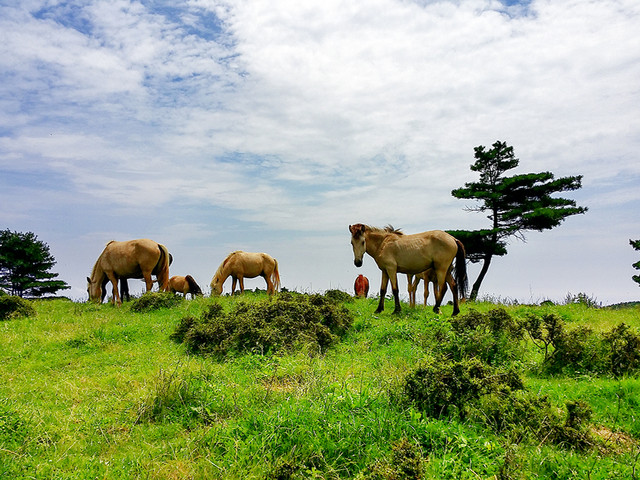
(184, 285)
(124, 285)
(240, 265)
(361, 286)
(130, 259)
(396, 252)
(429, 277)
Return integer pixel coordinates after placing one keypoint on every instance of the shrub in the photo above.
(15, 307)
(338, 296)
(581, 350)
(494, 337)
(439, 384)
(405, 463)
(275, 324)
(154, 301)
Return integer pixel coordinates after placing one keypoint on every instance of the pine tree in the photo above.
(514, 204)
(636, 246)
(25, 262)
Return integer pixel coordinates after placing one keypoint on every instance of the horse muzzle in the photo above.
(357, 262)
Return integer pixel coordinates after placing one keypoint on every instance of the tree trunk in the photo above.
(481, 275)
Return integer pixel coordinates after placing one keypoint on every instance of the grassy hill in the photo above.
(504, 392)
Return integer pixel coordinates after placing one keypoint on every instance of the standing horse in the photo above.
(130, 259)
(240, 265)
(361, 286)
(184, 285)
(429, 277)
(411, 254)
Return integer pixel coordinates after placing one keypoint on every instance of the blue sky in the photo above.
(212, 126)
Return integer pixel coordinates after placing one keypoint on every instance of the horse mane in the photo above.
(224, 263)
(387, 229)
(95, 265)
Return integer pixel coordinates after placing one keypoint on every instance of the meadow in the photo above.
(94, 391)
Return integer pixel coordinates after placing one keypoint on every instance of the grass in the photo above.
(90, 391)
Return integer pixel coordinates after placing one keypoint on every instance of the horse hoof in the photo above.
(397, 311)
(378, 310)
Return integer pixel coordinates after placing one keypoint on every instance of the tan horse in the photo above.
(184, 285)
(429, 277)
(396, 253)
(131, 259)
(240, 265)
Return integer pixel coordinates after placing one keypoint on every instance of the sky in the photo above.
(272, 125)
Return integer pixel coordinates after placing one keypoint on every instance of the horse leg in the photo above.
(441, 276)
(124, 290)
(396, 292)
(233, 284)
(116, 296)
(426, 289)
(412, 289)
(270, 287)
(241, 281)
(383, 291)
(148, 280)
(454, 291)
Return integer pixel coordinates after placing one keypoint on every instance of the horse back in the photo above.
(418, 252)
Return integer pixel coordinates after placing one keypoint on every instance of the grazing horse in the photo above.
(131, 259)
(361, 286)
(429, 277)
(124, 285)
(184, 285)
(240, 265)
(395, 252)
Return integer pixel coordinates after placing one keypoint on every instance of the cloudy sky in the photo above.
(271, 125)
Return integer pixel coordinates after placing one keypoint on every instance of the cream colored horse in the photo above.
(184, 285)
(396, 253)
(240, 265)
(429, 277)
(131, 259)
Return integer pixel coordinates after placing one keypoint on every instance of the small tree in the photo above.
(514, 204)
(636, 246)
(25, 262)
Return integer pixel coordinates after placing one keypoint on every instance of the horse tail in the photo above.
(275, 276)
(162, 268)
(194, 288)
(461, 270)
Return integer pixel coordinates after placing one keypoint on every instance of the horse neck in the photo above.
(97, 274)
(374, 241)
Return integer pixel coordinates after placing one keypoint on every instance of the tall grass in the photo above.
(93, 391)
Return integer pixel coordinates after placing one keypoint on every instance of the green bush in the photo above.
(582, 350)
(154, 301)
(494, 337)
(406, 462)
(15, 307)
(268, 326)
(439, 384)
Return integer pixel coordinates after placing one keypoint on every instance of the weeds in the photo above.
(14, 307)
(155, 300)
(310, 322)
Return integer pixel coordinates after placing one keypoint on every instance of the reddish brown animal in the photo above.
(361, 286)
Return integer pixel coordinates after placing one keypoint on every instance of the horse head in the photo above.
(216, 286)
(358, 243)
(94, 289)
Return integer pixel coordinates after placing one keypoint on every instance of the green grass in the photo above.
(90, 391)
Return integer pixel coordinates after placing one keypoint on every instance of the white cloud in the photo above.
(308, 115)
